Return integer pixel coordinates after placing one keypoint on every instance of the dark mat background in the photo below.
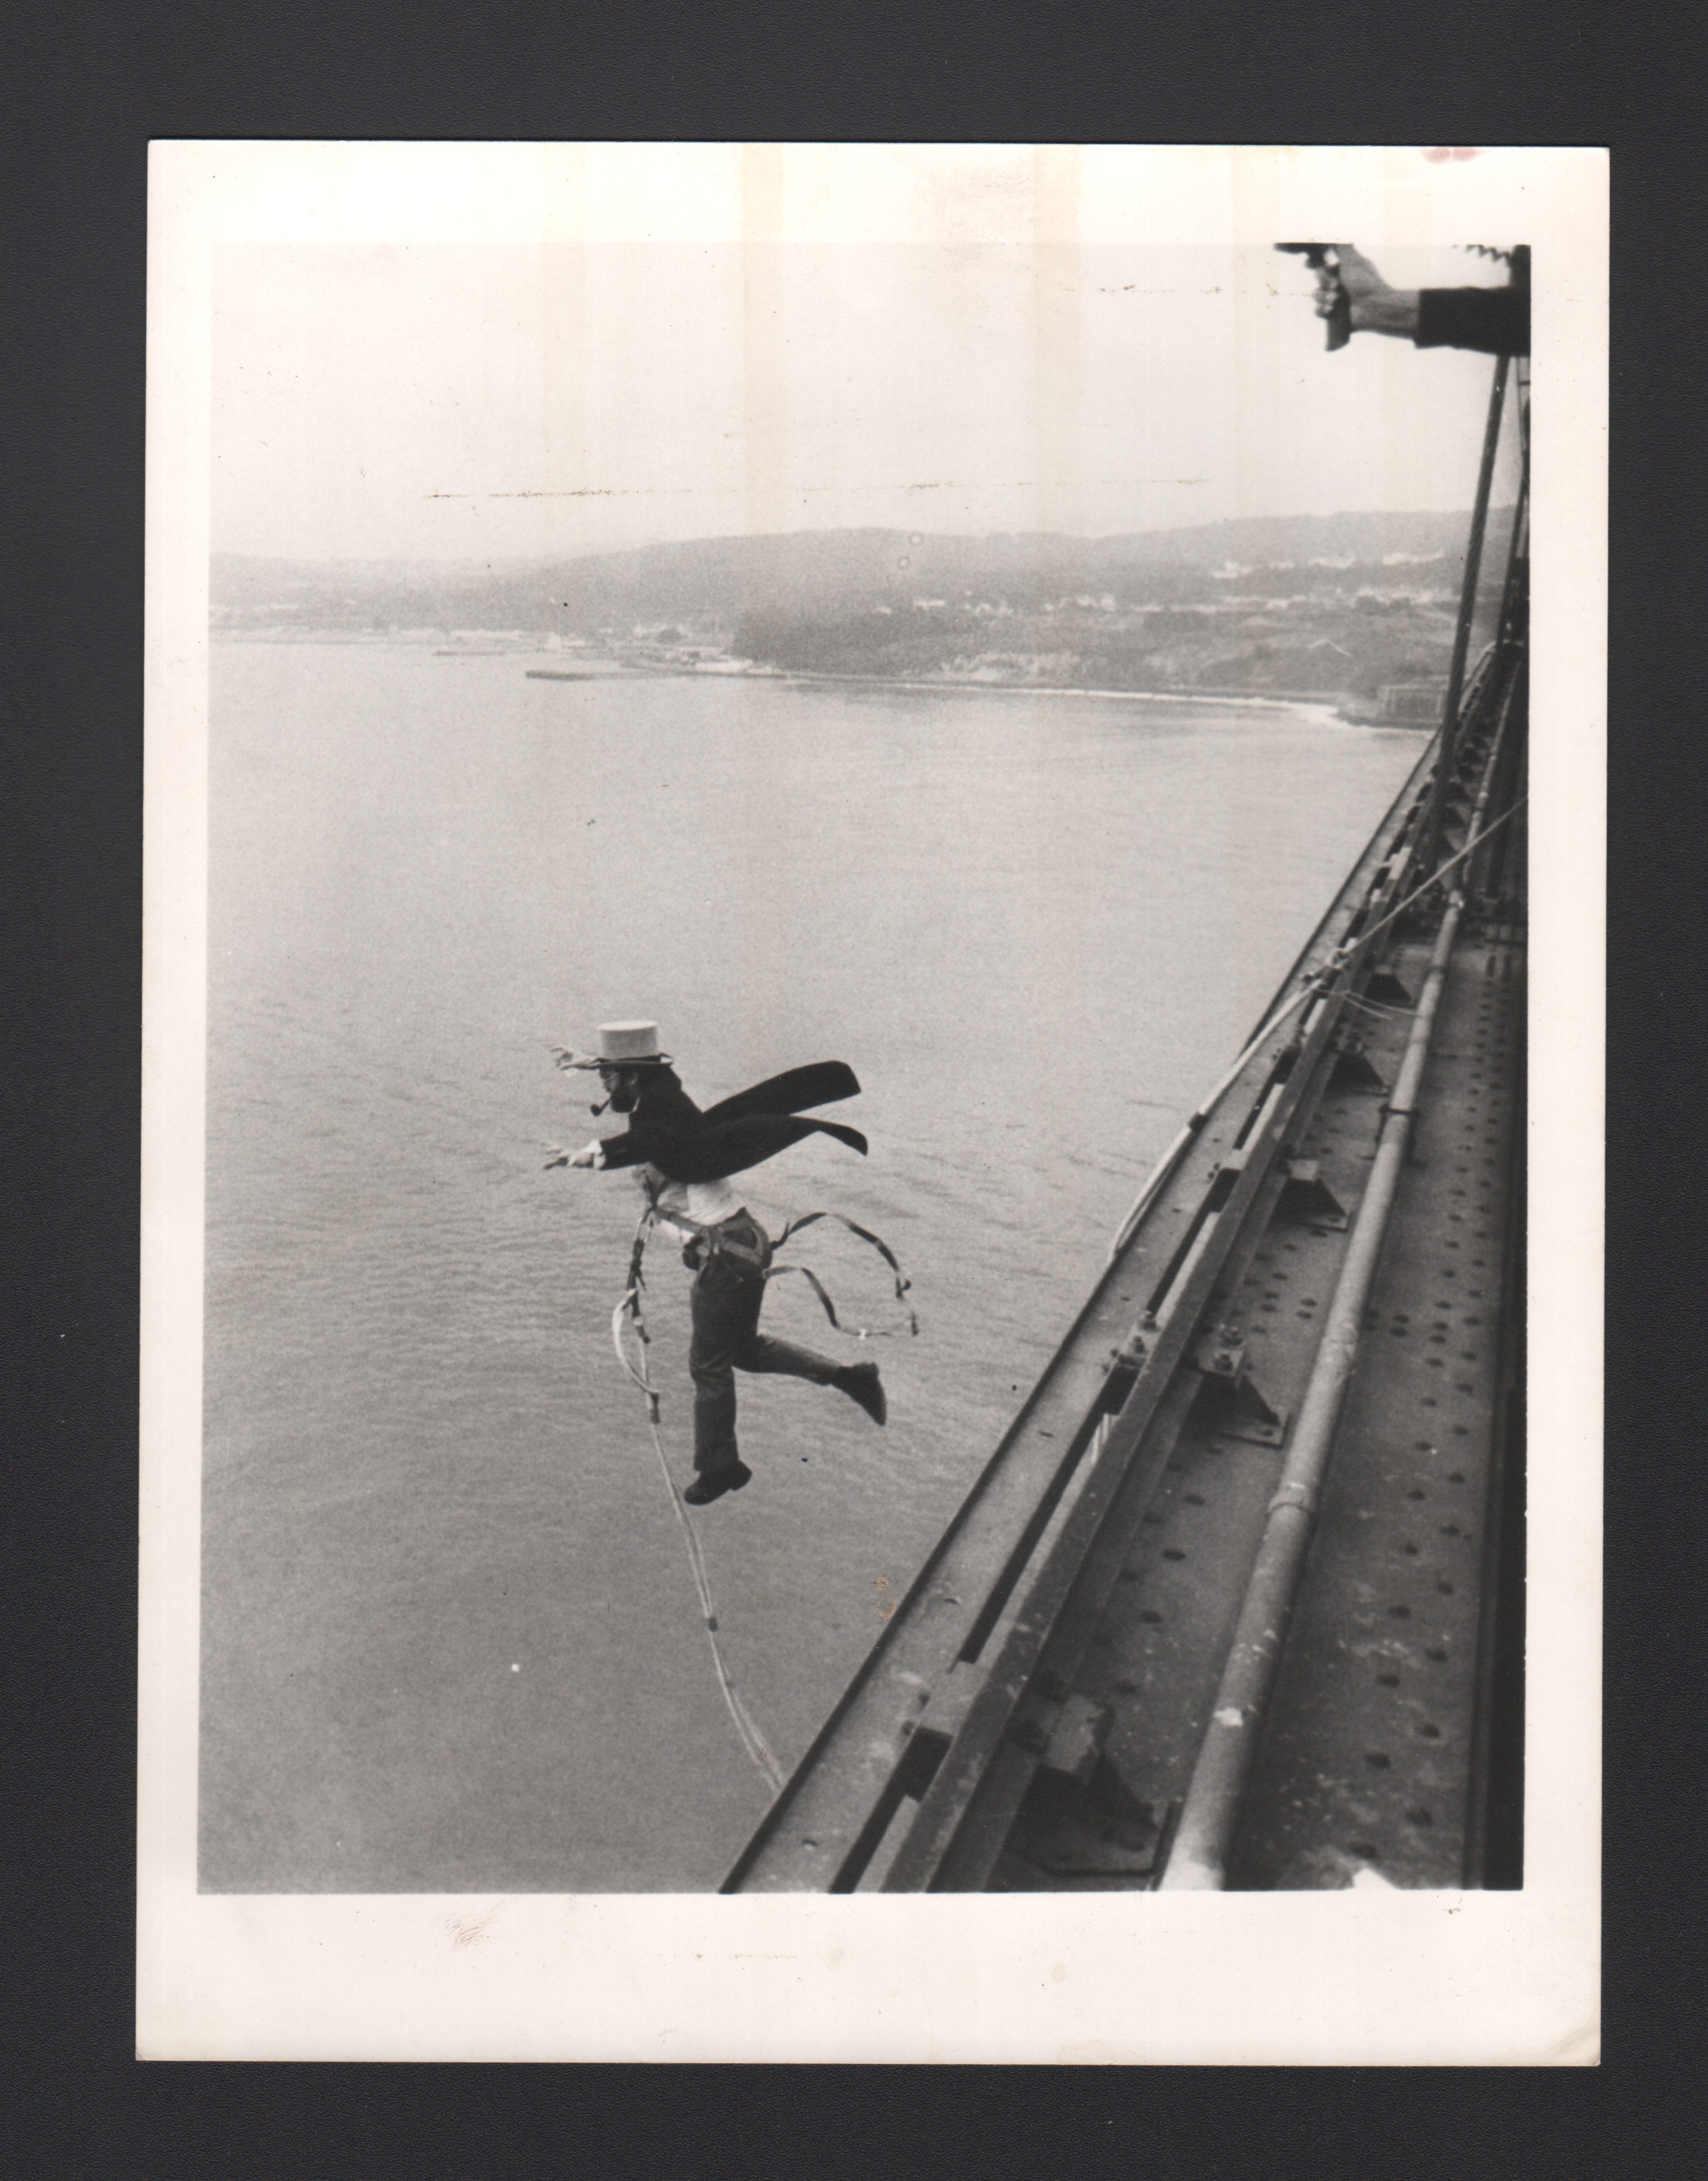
(88, 85)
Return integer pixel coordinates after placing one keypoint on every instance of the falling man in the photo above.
(685, 1159)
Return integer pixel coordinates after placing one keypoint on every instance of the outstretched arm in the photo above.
(1495, 321)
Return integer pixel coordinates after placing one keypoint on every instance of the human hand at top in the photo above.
(1376, 308)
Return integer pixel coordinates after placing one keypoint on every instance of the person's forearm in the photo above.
(620, 1151)
(1390, 310)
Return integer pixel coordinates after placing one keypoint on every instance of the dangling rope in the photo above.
(753, 1740)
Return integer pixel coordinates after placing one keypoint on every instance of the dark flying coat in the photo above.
(668, 1130)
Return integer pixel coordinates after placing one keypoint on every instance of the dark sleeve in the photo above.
(626, 1150)
(1496, 320)
(705, 1154)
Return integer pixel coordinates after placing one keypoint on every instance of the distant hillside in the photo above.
(1333, 604)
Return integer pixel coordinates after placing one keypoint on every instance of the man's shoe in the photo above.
(712, 1483)
(860, 1381)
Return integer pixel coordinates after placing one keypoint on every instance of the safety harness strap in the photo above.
(903, 1284)
(716, 1243)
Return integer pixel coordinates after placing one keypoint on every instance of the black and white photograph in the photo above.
(854, 1147)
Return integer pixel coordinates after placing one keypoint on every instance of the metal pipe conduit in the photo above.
(1211, 1812)
(1211, 1808)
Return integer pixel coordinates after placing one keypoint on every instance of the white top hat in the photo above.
(624, 1044)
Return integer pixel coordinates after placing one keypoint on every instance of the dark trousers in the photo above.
(725, 1305)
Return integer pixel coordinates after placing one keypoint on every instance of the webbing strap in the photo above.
(813, 1280)
(903, 1284)
(717, 1244)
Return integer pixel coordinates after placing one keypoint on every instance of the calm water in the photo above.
(450, 1638)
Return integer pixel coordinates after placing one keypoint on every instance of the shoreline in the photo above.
(1315, 706)
(1326, 710)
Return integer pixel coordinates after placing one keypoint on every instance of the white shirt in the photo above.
(705, 1202)
(708, 1203)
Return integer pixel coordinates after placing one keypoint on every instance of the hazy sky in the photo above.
(453, 399)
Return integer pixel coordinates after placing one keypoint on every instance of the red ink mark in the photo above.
(1436, 153)
(464, 1933)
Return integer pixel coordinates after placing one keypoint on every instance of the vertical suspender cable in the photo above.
(1448, 752)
